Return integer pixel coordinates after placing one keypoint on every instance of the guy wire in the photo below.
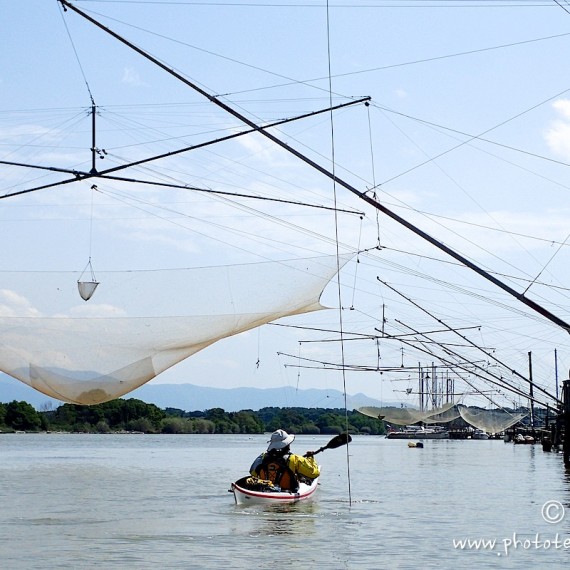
(338, 256)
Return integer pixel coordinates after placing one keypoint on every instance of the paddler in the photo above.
(283, 468)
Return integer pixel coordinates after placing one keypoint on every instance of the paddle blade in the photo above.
(338, 440)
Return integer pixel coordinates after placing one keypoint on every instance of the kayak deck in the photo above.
(248, 491)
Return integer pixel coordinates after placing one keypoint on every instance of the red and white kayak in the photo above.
(248, 492)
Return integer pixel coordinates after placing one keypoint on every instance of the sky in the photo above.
(466, 136)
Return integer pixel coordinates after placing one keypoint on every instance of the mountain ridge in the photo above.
(190, 397)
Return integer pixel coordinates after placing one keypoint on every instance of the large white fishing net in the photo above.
(139, 323)
(405, 416)
(490, 421)
(446, 415)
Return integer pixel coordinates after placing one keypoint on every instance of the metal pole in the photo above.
(421, 387)
(93, 147)
(556, 370)
(566, 420)
(531, 392)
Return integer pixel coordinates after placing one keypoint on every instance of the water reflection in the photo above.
(286, 519)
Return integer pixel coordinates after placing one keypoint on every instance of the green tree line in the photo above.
(134, 415)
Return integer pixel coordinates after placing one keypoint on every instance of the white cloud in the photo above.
(25, 130)
(558, 134)
(13, 304)
(131, 77)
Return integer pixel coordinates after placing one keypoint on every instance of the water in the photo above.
(140, 501)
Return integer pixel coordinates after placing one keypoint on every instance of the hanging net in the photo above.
(445, 416)
(406, 416)
(490, 421)
(140, 322)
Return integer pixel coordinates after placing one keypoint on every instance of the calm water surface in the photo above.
(140, 501)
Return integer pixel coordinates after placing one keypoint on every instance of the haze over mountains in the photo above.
(189, 397)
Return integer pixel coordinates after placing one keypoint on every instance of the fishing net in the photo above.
(445, 416)
(405, 416)
(139, 323)
(490, 421)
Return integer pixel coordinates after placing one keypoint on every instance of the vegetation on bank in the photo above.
(134, 415)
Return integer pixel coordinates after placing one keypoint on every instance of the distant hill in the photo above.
(11, 389)
(189, 397)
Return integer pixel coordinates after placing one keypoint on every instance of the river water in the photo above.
(143, 501)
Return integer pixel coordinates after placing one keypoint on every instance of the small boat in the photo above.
(480, 434)
(252, 491)
(418, 432)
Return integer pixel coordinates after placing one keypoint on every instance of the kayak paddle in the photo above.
(336, 441)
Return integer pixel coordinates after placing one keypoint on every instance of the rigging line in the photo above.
(487, 354)
(464, 291)
(565, 9)
(56, 129)
(495, 229)
(474, 137)
(473, 224)
(379, 337)
(364, 335)
(290, 80)
(453, 180)
(478, 327)
(299, 370)
(469, 196)
(84, 175)
(309, 81)
(332, 365)
(333, 162)
(224, 193)
(461, 289)
(372, 162)
(93, 190)
(356, 265)
(411, 227)
(499, 381)
(462, 368)
(132, 202)
(382, 5)
(178, 75)
(129, 201)
(77, 57)
(484, 393)
(546, 264)
(414, 62)
(254, 236)
(514, 278)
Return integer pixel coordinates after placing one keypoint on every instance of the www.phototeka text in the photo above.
(507, 545)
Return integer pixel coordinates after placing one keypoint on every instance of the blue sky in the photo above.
(438, 74)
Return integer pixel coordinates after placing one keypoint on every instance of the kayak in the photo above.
(252, 491)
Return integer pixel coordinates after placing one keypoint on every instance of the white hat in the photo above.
(280, 439)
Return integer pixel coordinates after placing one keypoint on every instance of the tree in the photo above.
(247, 421)
(22, 416)
(176, 425)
